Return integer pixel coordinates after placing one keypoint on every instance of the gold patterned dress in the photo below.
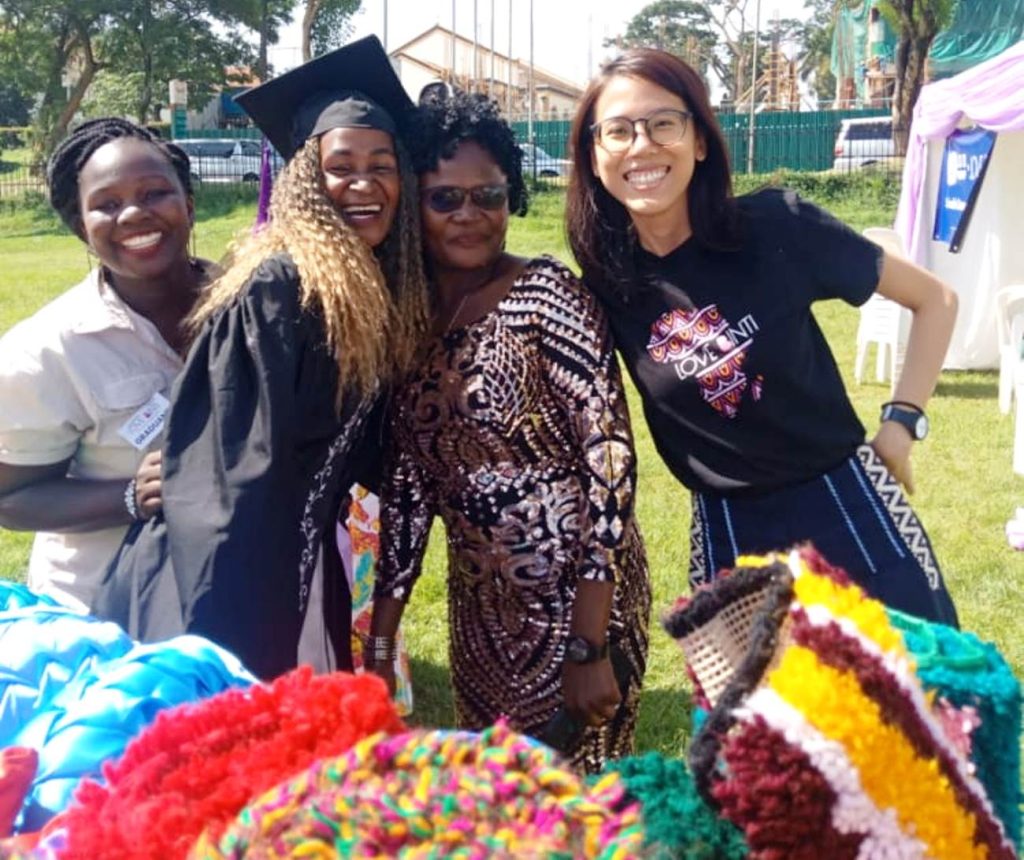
(515, 431)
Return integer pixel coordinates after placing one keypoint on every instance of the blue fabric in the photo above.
(848, 521)
(15, 595)
(77, 689)
(42, 650)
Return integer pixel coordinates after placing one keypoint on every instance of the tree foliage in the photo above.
(917, 23)
(14, 105)
(679, 26)
(717, 38)
(815, 39)
(54, 51)
(326, 25)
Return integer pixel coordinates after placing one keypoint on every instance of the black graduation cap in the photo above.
(353, 86)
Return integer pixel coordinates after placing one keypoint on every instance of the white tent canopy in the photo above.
(989, 96)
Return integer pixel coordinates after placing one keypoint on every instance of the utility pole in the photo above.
(529, 116)
(508, 89)
(476, 64)
(452, 82)
(490, 78)
(590, 45)
(753, 90)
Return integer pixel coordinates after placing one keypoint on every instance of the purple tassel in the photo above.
(266, 185)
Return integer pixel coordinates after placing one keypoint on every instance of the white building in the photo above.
(428, 58)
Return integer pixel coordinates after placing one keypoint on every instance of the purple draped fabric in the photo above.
(991, 94)
(266, 184)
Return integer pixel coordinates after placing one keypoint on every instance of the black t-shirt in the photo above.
(740, 389)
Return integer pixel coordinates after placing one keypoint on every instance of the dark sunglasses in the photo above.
(451, 198)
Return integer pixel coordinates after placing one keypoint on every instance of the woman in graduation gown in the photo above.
(269, 422)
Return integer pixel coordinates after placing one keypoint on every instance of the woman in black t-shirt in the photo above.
(709, 299)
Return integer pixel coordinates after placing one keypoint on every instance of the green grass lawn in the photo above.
(966, 490)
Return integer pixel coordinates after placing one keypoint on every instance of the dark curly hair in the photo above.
(71, 154)
(441, 123)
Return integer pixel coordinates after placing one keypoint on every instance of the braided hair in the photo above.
(66, 163)
(441, 123)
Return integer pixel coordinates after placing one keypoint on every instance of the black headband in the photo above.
(342, 109)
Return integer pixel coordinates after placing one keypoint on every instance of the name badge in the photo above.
(145, 425)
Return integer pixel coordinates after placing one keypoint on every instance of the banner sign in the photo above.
(963, 167)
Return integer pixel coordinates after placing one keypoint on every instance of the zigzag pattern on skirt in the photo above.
(699, 573)
(908, 526)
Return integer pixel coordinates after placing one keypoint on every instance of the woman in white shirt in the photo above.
(84, 381)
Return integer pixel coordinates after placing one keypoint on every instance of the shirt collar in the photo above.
(100, 307)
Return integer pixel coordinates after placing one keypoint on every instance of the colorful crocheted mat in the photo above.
(678, 824)
(426, 794)
(973, 676)
(821, 741)
(199, 765)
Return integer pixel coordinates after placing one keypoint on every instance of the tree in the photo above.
(151, 42)
(53, 48)
(815, 40)
(684, 28)
(14, 106)
(326, 24)
(917, 23)
(266, 17)
(715, 32)
(52, 52)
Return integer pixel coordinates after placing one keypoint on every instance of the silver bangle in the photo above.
(382, 649)
(130, 504)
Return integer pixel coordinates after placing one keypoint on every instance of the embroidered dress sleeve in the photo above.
(406, 511)
(579, 359)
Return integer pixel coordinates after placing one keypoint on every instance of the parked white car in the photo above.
(536, 162)
(863, 143)
(225, 159)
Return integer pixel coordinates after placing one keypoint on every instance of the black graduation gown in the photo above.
(257, 463)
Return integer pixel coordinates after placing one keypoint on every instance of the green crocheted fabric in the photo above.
(678, 824)
(968, 672)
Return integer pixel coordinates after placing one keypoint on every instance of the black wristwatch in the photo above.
(910, 416)
(581, 650)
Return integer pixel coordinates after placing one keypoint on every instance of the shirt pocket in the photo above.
(129, 393)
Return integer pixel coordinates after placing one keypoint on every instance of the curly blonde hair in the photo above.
(374, 302)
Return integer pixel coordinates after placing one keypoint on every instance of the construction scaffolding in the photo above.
(864, 47)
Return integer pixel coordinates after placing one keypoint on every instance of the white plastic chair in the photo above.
(1018, 423)
(883, 322)
(1010, 328)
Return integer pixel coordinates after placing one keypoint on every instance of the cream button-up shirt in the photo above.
(71, 376)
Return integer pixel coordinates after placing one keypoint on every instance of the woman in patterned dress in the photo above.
(514, 430)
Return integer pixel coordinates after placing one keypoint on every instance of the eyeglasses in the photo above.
(450, 198)
(663, 127)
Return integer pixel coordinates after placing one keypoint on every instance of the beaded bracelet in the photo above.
(130, 504)
(382, 649)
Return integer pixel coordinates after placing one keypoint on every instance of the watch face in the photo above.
(577, 650)
(921, 427)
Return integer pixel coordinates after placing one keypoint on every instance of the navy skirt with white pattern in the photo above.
(855, 515)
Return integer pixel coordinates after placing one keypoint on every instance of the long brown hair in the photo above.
(599, 227)
(374, 307)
